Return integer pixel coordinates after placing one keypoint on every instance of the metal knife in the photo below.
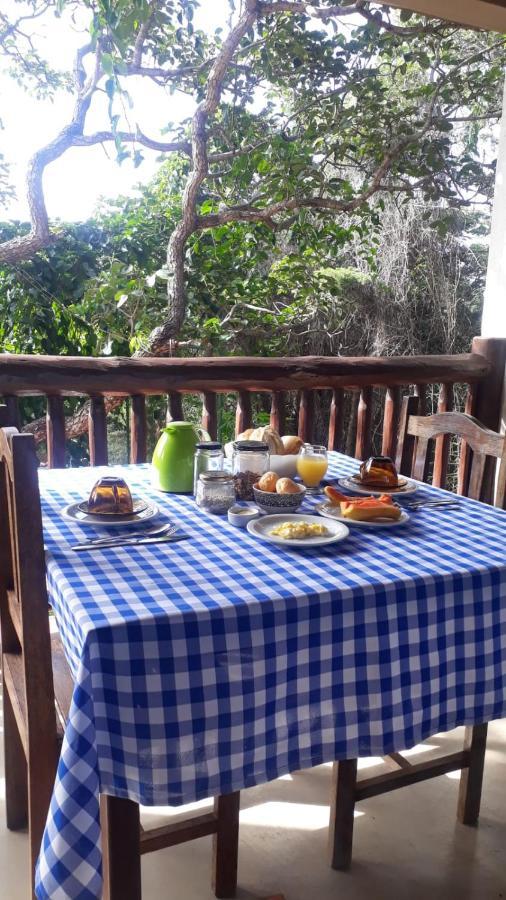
(419, 504)
(132, 542)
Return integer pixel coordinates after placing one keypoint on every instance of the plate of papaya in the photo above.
(371, 512)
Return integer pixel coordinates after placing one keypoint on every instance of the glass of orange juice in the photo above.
(312, 465)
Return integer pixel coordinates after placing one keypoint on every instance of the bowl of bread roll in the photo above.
(274, 494)
(283, 450)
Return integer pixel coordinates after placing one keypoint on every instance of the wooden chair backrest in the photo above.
(24, 612)
(417, 431)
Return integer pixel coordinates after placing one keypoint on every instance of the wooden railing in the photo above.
(371, 381)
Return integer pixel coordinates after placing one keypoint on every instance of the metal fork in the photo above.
(154, 531)
(134, 542)
(418, 504)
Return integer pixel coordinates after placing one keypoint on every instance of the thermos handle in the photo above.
(202, 433)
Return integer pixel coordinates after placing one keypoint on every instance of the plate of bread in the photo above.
(371, 512)
(377, 476)
(283, 450)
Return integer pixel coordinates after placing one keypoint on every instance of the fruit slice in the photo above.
(365, 512)
(335, 496)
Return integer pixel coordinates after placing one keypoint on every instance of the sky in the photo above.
(74, 183)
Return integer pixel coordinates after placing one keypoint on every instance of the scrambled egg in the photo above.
(289, 530)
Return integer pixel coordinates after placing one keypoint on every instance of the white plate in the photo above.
(333, 512)
(262, 527)
(409, 488)
(74, 514)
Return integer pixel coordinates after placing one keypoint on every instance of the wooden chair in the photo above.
(480, 448)
(415, 432)
(37, 690)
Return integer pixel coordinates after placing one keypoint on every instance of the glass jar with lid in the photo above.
(250, 459)
(215, 491)
(208, 458)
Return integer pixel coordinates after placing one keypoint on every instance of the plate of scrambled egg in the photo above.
(297, 530)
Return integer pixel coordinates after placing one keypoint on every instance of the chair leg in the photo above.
(121, 857)
(226, 845)
(471, 779)
(16, 771)
(342, 809)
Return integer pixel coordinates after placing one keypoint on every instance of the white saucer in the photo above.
(351, 485)
(334, 512)
(76, 515)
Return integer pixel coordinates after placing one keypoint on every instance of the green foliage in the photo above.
(330, 102)
(39, 299)
(25, 63)
(305, 112)
(102, 288)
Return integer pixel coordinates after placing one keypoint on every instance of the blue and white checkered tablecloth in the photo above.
(222, 662)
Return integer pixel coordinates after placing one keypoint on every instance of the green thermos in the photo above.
(173, 457)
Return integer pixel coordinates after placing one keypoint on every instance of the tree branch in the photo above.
(267, 215)
(128, 137)
(160, 337)
(317, 12)
(142, 35)
(40, 235)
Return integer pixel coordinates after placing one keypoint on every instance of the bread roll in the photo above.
(291, 443)
(245, 435)
(270, 437)
(268, 482)
(287, 486)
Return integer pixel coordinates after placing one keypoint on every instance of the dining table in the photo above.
(222, 661)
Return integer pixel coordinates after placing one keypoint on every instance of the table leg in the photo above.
(226, 845)
(342, 809)
(121, 856)
(471, 779)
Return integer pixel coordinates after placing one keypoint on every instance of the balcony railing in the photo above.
(370, 380)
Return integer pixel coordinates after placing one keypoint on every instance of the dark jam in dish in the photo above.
(379, 471)
(110, 496)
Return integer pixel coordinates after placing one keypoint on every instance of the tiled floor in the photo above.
(408, 845)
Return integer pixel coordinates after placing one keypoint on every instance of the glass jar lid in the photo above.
(216, 477)
(208, 445)
(251, 446)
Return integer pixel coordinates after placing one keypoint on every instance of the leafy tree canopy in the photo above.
(306, 118)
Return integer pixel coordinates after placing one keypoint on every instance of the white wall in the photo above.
(493, 322)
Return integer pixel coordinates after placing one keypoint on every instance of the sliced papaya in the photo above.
(335, 496)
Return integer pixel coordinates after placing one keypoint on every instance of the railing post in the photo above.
(277, 415)
(442, 452)
(364, 419)
(305, 426)
(55, 432)
(488, 402)
(9, 412)
(210, 414)
(174, 407)
(391, 415)
(97, 432)
(138, 429)
(243, 413)
(488, 405)
(336, 419)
